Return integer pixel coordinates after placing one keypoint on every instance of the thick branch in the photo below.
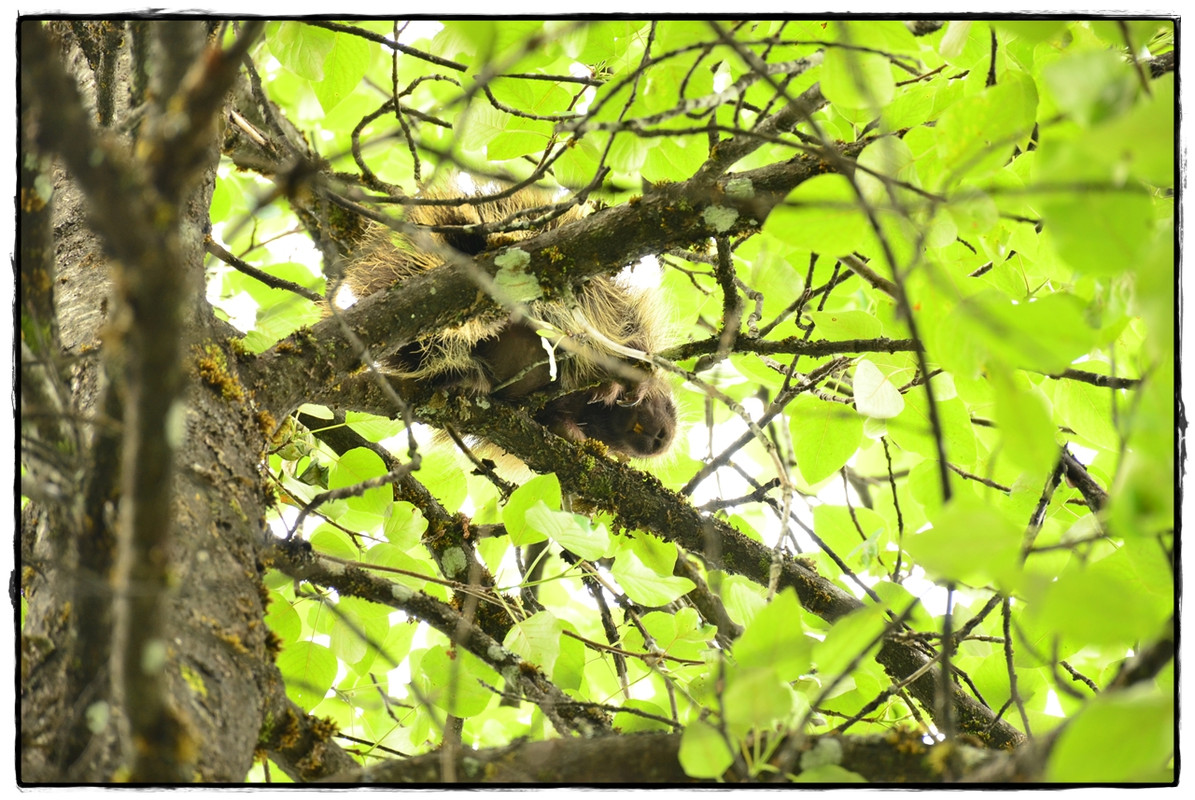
(900, 758)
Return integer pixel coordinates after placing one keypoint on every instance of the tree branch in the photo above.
(566, 715)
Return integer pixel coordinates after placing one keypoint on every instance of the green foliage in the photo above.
(1146, 714)
(1020, 201)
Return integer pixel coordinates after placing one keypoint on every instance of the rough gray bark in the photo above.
(198, 675)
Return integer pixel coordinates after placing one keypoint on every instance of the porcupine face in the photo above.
(640, 423)
(632, 414)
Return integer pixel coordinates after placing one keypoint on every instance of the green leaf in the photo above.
(822, 215)
(978, 133)
(858, 73)
(540, 489)
(359, 627)
(356, 466)
(680, 633)
(577, 164)
(1099, 233)
(835, 525)
(1120, 737)
(282, 618)
(344, 67)
(569, 671)
(1045, 335)
(439, 468)
(875, 396)
(965, 43)
(1034, 30)
(393, 558)
(703, 752)
(1023, 415)
(330, 540)
(634, 723)
(303, 49)
(658, 555)
(618, 44)
(776, 639)
(541, 98)
(887, 160)
(453, 681)
(537, 640)
(836, 325)
(481, 126)
(671, 157)
(897, 596)
(645, 586)
(519, 138)
(308, 670)
(971, 543)
(743, 598)
(371, 426)
(847, 641)
(824, 435)
(973, 214)
(829, 773)
(404, 526)
(1141, 140)
(627, 153)
(1103, 604)
(913, 430)
(857, 79)
(756, 699)
(1091, 86)
(573, 532)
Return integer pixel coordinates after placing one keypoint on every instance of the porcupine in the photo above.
(603, 395)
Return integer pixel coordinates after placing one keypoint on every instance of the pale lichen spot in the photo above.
(514, 259)
(720, 218)
(513, 284)
(740, 189)
(454, 562)
(176, 424)
(825, 751)
(153, 656)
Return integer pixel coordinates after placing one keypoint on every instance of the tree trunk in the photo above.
(183, 628)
